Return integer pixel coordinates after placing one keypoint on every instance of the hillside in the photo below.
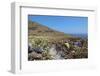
(45, 43)
(37, 29)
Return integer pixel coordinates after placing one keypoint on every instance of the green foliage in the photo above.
(39, 42)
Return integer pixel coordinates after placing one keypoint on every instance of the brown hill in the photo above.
(37, 29)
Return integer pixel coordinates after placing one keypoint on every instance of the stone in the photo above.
(34, 56)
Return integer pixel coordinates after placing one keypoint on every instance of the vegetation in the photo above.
(48, 44)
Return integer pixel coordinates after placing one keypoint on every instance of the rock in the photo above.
(34, 56)
(38, 50)
(30, 49)
(52, 51)
(73, 52)
(54, 54)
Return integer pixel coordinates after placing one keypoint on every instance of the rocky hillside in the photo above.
(45, 43)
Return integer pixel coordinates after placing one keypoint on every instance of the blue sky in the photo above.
(66, 24)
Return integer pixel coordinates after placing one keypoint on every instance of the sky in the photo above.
(66, 24)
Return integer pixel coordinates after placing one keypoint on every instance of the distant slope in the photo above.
(41, 30)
